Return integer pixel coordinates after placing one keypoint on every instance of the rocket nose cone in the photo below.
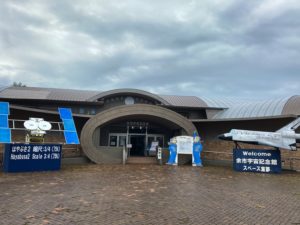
(221, 136)
(225, 137)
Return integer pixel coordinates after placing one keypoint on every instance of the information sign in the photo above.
(184, 145)
(32, 157)
(253, 160)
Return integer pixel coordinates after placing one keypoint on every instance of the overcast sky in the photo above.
(203, 48)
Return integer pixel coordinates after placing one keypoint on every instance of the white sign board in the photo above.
(184, 145)
(159, 156)
(154, 144)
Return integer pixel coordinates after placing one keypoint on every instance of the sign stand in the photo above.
(188, 146)
(32, 157)
(259, 161)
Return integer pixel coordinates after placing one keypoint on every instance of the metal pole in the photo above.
(127, 138)
(146, 142)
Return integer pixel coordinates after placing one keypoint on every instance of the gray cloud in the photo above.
(211, 48)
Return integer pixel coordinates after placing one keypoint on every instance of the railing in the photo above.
(224, 153)
(67, 148)
(18, 125)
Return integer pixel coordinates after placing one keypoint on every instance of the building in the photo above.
(107, 120)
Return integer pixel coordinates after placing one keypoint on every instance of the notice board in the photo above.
(32, 157)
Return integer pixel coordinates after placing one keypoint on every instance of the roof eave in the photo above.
(243, 119)
(46, 111)
(55, 101)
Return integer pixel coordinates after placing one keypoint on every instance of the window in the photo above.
(160, 141)
(122, 141)
(93, 111)
(150, 140)
(113, 141)
(81, 110)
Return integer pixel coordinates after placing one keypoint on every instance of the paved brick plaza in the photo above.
(149, 194)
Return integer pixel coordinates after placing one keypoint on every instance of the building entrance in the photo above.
(139, 138)
(138, 145)
(141, 143)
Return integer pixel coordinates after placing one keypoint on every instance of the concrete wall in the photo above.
(111, 155)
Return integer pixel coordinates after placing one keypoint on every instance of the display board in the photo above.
(32, 157)
(260, 161)
(184, 145)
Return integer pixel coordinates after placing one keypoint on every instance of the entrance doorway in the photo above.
(141, 143)
(138, 145)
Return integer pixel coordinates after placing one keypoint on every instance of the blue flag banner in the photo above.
(32, 157)
(260, 161)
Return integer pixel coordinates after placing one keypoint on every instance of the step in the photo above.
(141, 160)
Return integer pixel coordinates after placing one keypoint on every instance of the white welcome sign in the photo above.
(184, 145)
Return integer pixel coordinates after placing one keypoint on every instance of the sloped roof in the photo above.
(230, 108)
(262, 108)
(56, 94)
(2, 88)
(184, 101)
(46, 94)
(128, 91)
(223, 102)
(292, 106)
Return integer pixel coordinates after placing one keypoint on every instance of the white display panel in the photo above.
(184, 145)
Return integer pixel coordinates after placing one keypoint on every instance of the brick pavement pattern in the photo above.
(149, 194)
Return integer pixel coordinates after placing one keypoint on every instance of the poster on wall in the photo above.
(32, 157)
(259, 161)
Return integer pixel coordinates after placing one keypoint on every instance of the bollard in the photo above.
(159, 155)
(124, 155)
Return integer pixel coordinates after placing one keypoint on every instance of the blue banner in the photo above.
(260, 161)
(32, 157)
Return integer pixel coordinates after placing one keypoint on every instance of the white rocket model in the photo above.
(285, 138)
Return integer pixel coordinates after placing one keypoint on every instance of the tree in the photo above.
(18, 84)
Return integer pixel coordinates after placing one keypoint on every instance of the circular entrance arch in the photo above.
(98, 154)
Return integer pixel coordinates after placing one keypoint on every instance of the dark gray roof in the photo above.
(184, 101)
(71, 95)
(2, 88)
(252, 109)
(224, 102)
(91, 96)
(47, 94)
(229, 108)
(129, 91)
